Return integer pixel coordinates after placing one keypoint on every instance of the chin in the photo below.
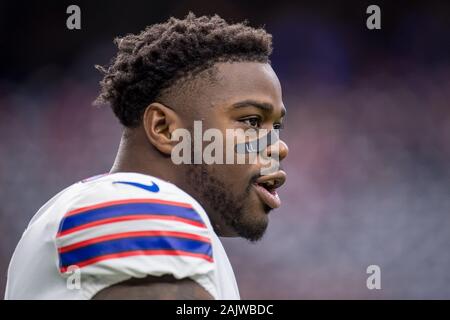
(252, 223)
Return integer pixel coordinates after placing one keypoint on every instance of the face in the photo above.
(238, 197)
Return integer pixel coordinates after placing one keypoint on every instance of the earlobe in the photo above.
(159, 122)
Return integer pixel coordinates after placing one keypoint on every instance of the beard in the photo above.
(233, 208)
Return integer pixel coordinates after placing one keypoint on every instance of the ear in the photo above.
(159, 122)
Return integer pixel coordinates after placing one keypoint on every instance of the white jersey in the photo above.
(113, 227)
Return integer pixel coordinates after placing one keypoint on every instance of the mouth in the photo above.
(266, 188)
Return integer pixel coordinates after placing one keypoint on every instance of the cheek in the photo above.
(236, 177)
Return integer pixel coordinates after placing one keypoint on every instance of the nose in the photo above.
(280, 147)
(284, 150)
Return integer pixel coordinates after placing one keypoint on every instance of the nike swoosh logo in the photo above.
(152, 188)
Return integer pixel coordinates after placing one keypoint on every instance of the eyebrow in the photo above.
(268, 107)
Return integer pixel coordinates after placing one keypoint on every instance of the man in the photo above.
(149, 229)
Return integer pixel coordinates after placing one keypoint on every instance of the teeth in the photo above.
(270, 183)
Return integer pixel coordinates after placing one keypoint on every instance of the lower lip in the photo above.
(271, 199)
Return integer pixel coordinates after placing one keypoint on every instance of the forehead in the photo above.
(237, 81)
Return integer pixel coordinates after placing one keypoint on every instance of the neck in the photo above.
(136, 154)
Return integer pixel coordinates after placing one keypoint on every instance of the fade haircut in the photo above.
(151, 62)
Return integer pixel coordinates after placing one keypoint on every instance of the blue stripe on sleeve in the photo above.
(132, 244)
(126, 209)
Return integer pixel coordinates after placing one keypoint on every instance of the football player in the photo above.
(150, 228)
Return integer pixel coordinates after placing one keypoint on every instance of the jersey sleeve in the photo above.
(114, 232)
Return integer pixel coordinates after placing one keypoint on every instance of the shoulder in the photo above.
(127, 225)
(127, 197)
(125, 186)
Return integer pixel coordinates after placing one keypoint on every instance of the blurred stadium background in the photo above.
(368, 129)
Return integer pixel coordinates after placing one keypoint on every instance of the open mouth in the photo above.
(266, 188)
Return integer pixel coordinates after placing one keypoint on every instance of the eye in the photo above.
(254, 122)
(278, 126)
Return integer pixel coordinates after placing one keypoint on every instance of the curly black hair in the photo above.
(153, 60)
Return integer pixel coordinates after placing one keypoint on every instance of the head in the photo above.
(199, 69)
